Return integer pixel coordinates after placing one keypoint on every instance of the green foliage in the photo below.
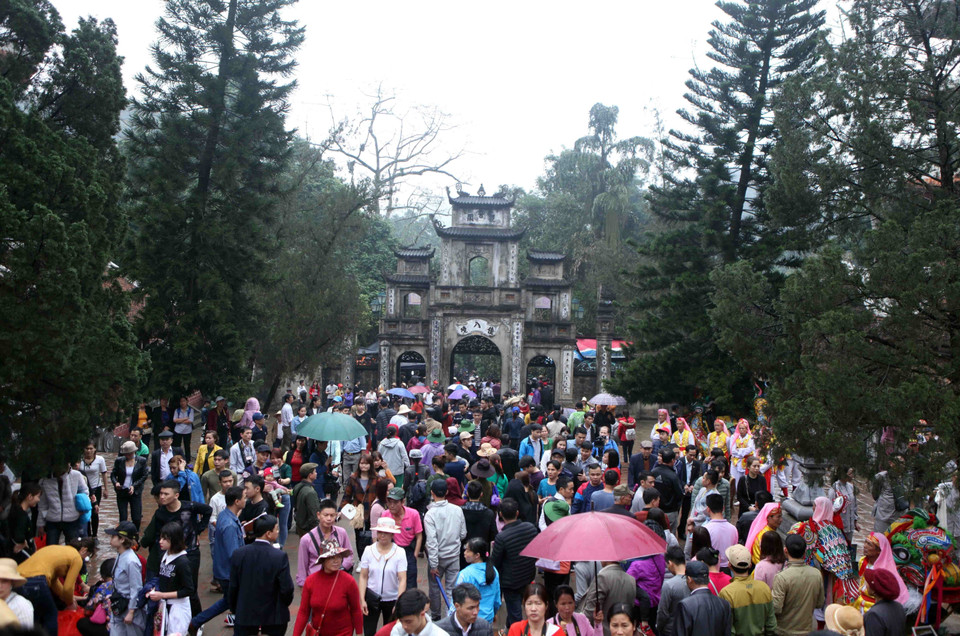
(208, 149)
(711, 203)
(322, 254)
(864, 335)
(587, 205)
(66, 345)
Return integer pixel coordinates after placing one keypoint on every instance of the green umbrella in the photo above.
(329, 427)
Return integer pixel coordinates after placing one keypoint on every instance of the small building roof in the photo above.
(419, 280)
(464, 200)
(546, 282)
(490, 233)
(545, 257)
(413, 252)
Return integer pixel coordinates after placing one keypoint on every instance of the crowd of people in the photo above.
(462, 486)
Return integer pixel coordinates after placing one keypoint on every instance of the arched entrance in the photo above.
(475, 356)
(411, 368)
(541, 368)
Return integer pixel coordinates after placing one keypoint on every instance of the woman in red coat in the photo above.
(331, 598)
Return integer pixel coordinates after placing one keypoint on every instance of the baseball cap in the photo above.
(396, 494)
(263, 448)
(739, 557)
(220, 398)
(416, 453)
(257, 416)
(124, 529)
(697, 569)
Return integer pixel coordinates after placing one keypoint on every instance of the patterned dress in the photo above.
(827, 550)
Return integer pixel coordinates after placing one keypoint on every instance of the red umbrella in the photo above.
(595, 536)
(419, 389)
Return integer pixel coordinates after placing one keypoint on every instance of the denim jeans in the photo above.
(218, 607)
(37, 591)
(69, 530)
(284, 519)
(513, 599)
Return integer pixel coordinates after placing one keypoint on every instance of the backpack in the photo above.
(417, 495)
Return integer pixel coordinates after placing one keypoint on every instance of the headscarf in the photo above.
(760, 522)
(664, 413)
(822, 511)
(736, 433)
(885, 562)
(726, 430)
(252, 406)
(454, 493)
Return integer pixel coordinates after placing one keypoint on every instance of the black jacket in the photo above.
(702, 614)
(671, 492)
(480, 627)
(527, 501)
(886, 618)
(261, 589)
(637, 466)
(515, 571)
(155, 463)
(119, 473)
(383, 418)
(696, 469)
(481, 521)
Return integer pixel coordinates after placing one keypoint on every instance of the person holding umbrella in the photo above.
(569, 620)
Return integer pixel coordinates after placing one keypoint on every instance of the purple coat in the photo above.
(649, 572)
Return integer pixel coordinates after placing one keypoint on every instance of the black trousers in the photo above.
(371, 620)
(183, 441)
(94, 515)
(253, 630)
(682, 522)
(135, 504)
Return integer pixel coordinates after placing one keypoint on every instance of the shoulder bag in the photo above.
(310, 630)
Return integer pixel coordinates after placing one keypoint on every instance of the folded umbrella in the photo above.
(330, 427)
(595, 536)
(401, 392)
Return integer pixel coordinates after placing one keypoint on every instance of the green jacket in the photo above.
(306, 505)
(797, 591)
(752, 605)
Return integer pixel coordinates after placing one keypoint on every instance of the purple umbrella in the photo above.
(459, 394)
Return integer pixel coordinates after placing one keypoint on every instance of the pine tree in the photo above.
(67, 347)
(207, 147)
(864, 336)
(712, 201)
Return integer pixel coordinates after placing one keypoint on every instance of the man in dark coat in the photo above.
(644, 461)
(701, 613)
(261, 588)
(383, 418)
(668, 483)
(688, 470)
(516, 572)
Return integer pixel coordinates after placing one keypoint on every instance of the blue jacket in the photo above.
(190, 482)
(581, 500)
(228, 537)
(527, 448)
(476, 573)
(512, 426)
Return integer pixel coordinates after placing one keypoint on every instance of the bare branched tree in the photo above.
(394, 148)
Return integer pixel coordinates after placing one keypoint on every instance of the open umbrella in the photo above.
(605, 399)
(455, 387)
(462, 393)
(419, 389)
(401, 392)
(330, 427)
(595, 536)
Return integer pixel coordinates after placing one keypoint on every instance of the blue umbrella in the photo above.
(329, 427)
(456, 387)
(399, 392)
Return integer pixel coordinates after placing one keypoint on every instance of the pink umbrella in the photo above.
(595, 536)
(419, 389)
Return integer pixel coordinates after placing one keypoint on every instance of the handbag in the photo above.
(99, 615)
(371, 598)
(310, 630)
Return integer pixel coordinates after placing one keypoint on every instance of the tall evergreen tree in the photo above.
(864, 336)
(207, 146)
(712, 201)
(67, 347)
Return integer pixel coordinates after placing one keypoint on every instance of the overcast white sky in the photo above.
(517, 78)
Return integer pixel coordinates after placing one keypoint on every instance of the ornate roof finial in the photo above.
(481, 192)
(460, 191)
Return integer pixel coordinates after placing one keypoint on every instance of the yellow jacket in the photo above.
(202, 454)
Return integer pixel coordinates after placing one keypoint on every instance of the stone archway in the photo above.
(411, 368)
(475, 355)
(541, 367)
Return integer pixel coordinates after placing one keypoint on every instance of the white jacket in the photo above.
(430, 629)
(446, 528)
(58, 502)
